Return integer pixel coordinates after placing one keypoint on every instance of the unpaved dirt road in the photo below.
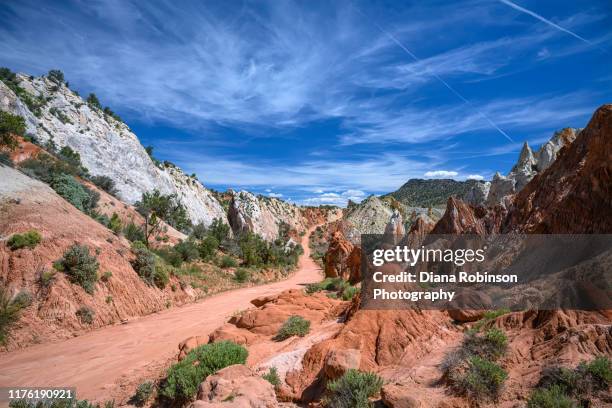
(100, 363)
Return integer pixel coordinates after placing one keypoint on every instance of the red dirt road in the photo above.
(100, 363)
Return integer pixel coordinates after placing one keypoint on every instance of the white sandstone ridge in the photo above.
(262, 215)
(107, 146)
(501, 188)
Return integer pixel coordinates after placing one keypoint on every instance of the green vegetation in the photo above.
(144, 392)
(472, 370)
(115, 224)
(184, 377)
(341, 288)
(350, 292)
(80, 266)
(10, 125)
(227, 261)
(208, 247)
(430, 193)
(10, 308)
(294, 326)
(272, 377)
(57, 76)
(93, 101)
(28, 239)
(553, 397)
(59, 403)
(75, 193)
(60, 115)
(148, 267)
(241, 275)
(106, 276)
(488, 317)
(105, 183)
(46, 278)
(85, 314)
(584, 382)
(155, 207)
(34, 103)
(133, 233)
(353, 390)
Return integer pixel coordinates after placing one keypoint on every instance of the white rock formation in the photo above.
(529, 164)
(262, 215)
(107, 146)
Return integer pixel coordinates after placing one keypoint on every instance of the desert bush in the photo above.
(10, 125)
(350, 292)
(272, 377)
(133, 233)
(208, 247)
(106, 276)
(74, 192)
(294, 326)
(241, 275)
(86, 314)
(219, 230)
(184, 377)
(600, 370)
(23, 299)
(72, 160)
(155, 206)
(28, 239)
(10, 309)
(353, 390)
(170, 256)
(227, 261)
(57, 76)
(143, 394)
(553, 397)
(105, 183)
(331, 284)
(115, 224)
(46, 277)
(481, 380)
(585, 380)
(144, 264)
(80, 266)
(93, 101)
(199, 231)
(187, 250)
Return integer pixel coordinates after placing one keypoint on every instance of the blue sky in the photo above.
(321, 101)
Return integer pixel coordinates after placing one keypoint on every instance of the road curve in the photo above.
(96, 362)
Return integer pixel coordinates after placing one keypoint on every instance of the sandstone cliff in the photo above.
(107, 146)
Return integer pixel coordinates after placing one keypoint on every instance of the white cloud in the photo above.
(339, 199)
(475, 177)
(276, 195)
(441, 174)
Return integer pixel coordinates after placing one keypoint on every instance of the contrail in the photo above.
(545, 20)
(439, 78)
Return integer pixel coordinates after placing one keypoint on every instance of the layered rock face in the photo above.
(530, 163)
(574, 193)
(107, 146)
(343, 259)
(263, 215)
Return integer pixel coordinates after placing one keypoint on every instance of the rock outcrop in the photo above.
(574, 193)
(237, 386)
(106, 145)
(529, 163)
(263, 215)
(342, 259)
(371, 216)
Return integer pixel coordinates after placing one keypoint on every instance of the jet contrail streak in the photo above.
(439, 78)
(544, 20)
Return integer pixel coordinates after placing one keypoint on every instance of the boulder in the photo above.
(342, 259)
(470, 306)
(189, 344)
(339, 361)
(396, 396)
(235, 386)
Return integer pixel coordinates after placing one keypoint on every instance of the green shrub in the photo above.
(46, 278)
(10, 125)
(133, 233)
(80, 266)
(74, 192)
(23, 299)
(483, 379)
(219, 230)
(144, 264)
(553, 397)
(170, 256)
(241, 275)
(184, 377)
(105, 183)
(93, 101)
(57, 76)
(600, 369)
(9, 313)
(331, 284)
(208, 247)
(86, 314)
(227, 262)
(28, 239)
(272, 377)
(115, 224)
(5, 159)
(353, 390)
(187, 250)
(143, 394)
(106, 276)
(350, 292)
(294, 326)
